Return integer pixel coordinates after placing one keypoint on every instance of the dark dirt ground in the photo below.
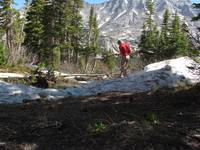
(113, 121)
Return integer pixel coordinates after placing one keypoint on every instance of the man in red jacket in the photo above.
(125, 52)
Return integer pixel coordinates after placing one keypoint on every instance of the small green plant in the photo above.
(98, 127)
(51, 75)
(33, 80)
(42, 65)
(197, 59)
(153, 118)
(111, 62)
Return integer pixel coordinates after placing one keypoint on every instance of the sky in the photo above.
(21, 2)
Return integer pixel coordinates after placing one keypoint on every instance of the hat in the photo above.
(119, 41)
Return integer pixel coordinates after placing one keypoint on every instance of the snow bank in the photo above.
(11, 75)
(174, 73)
(183, 66)
(16, 93)
(179, 72)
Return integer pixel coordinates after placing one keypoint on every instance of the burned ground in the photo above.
(113, 121)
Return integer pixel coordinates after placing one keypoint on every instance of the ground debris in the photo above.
(111, 121)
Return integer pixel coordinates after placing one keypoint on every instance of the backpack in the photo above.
(128, 48)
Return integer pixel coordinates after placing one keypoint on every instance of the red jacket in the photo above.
(125, 49)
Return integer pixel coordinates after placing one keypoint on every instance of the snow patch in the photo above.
(179, 72)
(11, 75)
(120, 14)
(134, 11)
(183, 66)
(103, 22)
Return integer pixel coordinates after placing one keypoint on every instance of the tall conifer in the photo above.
(34, 28)
(179, 40)
(149, 38)
(164, 42)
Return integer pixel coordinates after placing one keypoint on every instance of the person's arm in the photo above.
(116, 53)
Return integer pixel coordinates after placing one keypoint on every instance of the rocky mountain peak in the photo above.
(124, 18)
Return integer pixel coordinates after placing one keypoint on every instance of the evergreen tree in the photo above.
(95, 33)
(53, 31)
(92, 37)
(11, 25)
(63, 28)
(34, 28)
(6, 20)
(67, 28)
(149, 38)
(150, 13)
(179, 40)
(77, 28)
(49, 41)
(91, 20)
(88, 48)
(95, 42)
(164, 42)
(18, 36)
(173, 40)
(175, 35)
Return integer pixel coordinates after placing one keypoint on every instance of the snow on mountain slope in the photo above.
(124, 18)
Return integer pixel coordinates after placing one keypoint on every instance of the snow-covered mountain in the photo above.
(124, 18)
